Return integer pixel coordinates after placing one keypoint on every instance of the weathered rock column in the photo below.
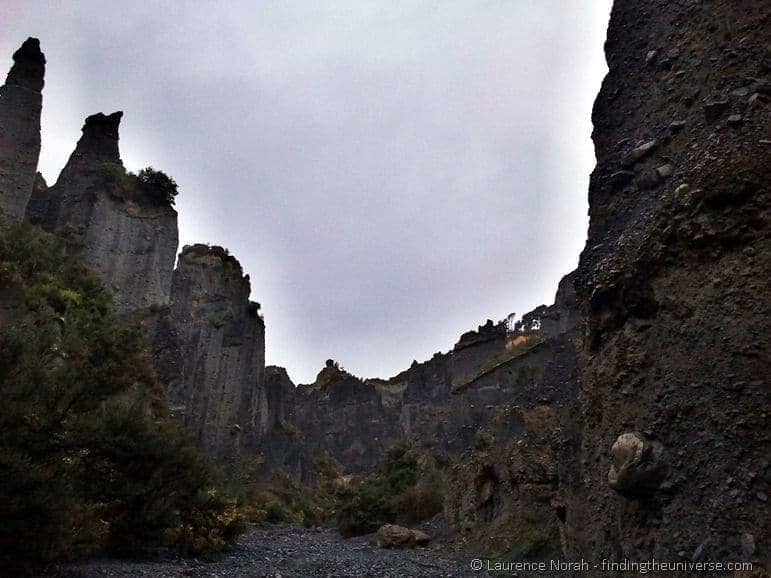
(211, 350)
(21, 102)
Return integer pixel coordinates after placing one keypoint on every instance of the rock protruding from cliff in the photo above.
(211, 350)
(130, 236)
(21, 102)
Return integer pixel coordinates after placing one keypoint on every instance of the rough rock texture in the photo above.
(129, 237)
(446, 405)
(209, 347)
(21, 102)
(503, 495)
(276, 436)
(673, 288)
(393, 536)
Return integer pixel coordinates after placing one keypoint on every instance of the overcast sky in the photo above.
(390, 173)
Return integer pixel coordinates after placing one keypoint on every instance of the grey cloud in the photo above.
(389, 173)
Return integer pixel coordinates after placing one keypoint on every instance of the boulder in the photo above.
(393, 536)
(638, 464)
(639, 153)
(421, 538)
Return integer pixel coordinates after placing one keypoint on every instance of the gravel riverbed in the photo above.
(288, 551)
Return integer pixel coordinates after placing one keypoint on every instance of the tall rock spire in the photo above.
(21, 102)
(129, 237)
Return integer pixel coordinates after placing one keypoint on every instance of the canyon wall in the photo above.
(128, 236)
(444, 406)
(673, 288)
(21, 102)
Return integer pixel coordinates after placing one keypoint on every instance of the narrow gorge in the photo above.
(628, 420)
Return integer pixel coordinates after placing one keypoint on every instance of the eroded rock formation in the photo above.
(21, 102)
(210, 350)
(446, 405)
(128, 236)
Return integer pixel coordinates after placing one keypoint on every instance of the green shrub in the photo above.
(420, 502)
(400, 490)
(155, 485)
(112, 175)
(276, 512)
(158, 184)
(87, 457)
(277, 497)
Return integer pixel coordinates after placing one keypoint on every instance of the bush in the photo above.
(158, 184)
(87, 457)
(155, 486)
(420, 502)
(276, 497)
(112, 175)
(399, 491)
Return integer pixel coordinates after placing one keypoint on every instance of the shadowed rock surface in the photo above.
(210, 349)
(673, 287)
(21, 102)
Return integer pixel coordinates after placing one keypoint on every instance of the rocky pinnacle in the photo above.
(20, 106)
(28, 66)
(98, 143)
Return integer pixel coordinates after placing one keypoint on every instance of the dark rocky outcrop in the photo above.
(128, 236)
(505, 491)
(673, 289)
(445, 406)
(209, 346)
(21, 102)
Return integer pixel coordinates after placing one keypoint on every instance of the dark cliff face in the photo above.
(210, 349)
(21, 103)
(128, 237)
(504, 493)
(444, 405)
(345, 416)
(673, 290)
